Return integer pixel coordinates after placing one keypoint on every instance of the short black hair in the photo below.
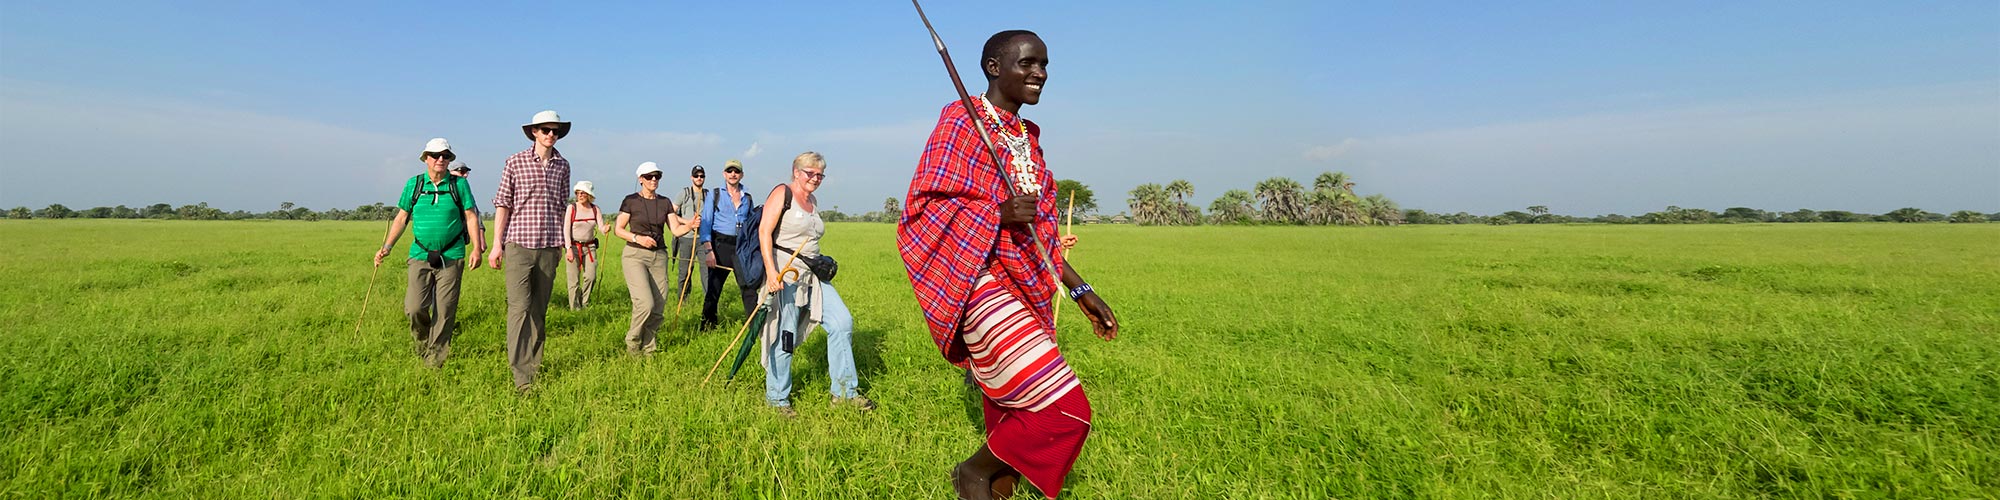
(994, 43)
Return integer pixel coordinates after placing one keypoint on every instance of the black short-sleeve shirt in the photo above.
(648, 217)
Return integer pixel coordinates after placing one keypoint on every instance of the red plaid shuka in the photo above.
(534, 192)
(950, 228)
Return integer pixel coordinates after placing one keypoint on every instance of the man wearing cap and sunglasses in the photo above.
(527, 233)
(689, 204)
(724, 212)
(459, 169)
(438, 209)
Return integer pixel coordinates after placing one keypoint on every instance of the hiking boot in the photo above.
(861, 402)
(785, 411)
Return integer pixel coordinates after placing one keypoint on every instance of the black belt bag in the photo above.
(823, 266)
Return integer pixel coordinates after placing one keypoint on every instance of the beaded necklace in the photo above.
(1023, 166)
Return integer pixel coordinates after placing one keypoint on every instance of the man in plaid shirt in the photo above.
(527, 218)
(986, 296)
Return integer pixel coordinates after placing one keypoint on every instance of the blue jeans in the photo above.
(839, 324)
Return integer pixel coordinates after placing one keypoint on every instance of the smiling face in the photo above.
(545, 135)
(1016, 71)
(436, 162)
(809, 177)
(650, 182)
(733, 175)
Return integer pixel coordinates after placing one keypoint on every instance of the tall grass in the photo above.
(220, 360)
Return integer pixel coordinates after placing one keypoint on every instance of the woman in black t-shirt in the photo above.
(644, 218)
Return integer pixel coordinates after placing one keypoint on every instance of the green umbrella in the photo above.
(743, 351)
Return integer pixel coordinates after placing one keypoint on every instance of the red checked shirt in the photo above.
(534, 192)
(950, 230)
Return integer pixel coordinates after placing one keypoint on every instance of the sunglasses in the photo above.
(650, 177)
(731, 171)
(700, 176)
(443, 156)
(548, 130)
(814, 175)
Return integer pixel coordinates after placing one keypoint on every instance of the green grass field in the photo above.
(219, 360)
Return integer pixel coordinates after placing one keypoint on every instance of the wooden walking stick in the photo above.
(364, 298)
(746, 320)
(1069, 228)
(689, 276)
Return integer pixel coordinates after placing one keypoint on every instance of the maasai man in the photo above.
(984, 291)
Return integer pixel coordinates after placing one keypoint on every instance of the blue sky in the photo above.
(1587, 107)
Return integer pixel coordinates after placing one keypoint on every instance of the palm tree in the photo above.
(1334, 201)
(1382, 210)
(1281, 200)
(1234, 207)
(1181, 212)
(1149, 204)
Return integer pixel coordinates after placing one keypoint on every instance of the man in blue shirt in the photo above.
(724, 210)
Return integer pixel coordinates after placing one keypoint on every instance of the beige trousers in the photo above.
(646, 278)
(582, 272)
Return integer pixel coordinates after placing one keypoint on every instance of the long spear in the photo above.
(979, 125)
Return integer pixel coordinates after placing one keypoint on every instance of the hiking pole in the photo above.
(365, 296)
(761, 304)
(979, 125)
(686, 281)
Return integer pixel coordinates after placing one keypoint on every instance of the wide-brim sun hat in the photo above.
(586, 187)
(546, 117)
(647, 168)
(437, 145)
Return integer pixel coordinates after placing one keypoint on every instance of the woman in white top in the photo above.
(582, 223)
(802, 301)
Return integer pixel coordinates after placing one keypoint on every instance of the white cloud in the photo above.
(1330, 152)
(755, 148)
(1936, 147)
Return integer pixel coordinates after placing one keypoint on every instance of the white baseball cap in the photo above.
(647, 168)
(437, 145)
(547, 116)
(585, 187)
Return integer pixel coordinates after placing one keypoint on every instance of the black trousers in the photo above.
(716, 279)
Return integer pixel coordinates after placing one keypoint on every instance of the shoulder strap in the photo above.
(781, 213)
(416, 191)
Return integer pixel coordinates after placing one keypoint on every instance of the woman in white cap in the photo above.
(580, 259)
(644, 219)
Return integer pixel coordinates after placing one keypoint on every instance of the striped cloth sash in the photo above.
(1014, 359)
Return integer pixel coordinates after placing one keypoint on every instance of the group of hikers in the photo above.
(973, 237)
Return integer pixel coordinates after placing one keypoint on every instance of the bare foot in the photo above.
(969, 484)
(1003, 486)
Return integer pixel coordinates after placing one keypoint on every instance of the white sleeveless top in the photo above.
(798, 230)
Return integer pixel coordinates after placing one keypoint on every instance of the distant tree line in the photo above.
(1540, 214)
(1277, 201)
(201, 211)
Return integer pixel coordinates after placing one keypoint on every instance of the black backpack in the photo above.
(436, 257)
(749, 254)
(822, 266)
